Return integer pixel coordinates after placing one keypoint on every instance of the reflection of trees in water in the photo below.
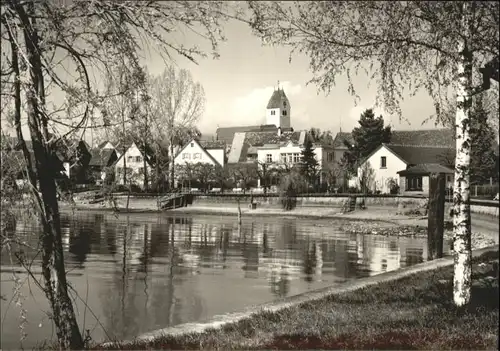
(414, 256)
(286, 238)
(265, 244)
(117, 307)
(280, 283)
(309, 260)
(344, 261)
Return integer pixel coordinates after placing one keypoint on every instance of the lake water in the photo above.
(141, 272)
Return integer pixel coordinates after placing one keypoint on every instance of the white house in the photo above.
(388, 160)
(289, 152)
(133, 160)
(197, 152)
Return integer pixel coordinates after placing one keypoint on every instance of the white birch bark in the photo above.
(461, 191)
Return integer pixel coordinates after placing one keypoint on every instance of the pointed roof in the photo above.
(194, 140)
(102, 157)
(146, 151)
(277, 99)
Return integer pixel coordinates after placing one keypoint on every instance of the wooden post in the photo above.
(239, 213)
(435, 218)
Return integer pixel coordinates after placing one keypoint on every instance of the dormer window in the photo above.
(284, 113)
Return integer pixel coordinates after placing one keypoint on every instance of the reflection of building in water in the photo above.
(345, 258)
(131, 243)
(65, 237)
(381, 254)
(413, 255)
(282, 261)
(319, 260)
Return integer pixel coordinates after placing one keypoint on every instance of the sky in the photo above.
(239, 84)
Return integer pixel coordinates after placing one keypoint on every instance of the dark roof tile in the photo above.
(442, 137)
(438, 137)
(277, 99)
(212, 144)
(415, 155)
(425, 169)
(102, 157)
(338, 141)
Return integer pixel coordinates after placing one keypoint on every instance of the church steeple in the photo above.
(278, 109)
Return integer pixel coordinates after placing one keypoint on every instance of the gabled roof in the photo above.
(426, 169)
(101, 157)
(227, 134)
(103, 144)
(212, 144)
(277, 99)
(262, 138)
(145, 150)
(437, 137)
(338, 141)
(201, 147)
(414, 155)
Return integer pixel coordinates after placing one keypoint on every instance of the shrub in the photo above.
(289, 189)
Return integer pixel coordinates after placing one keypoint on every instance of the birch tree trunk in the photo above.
(171, 165)
(461, 191)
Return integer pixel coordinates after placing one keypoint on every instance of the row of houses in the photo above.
(408, 159)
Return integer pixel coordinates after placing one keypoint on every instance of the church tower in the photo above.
(278, 110)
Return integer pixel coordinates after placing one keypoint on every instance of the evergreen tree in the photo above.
(370, 134)
(309, 163)
(483, 158)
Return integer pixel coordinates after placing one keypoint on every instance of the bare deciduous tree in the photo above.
(177, 103)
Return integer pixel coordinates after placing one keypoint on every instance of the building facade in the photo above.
(132, 162)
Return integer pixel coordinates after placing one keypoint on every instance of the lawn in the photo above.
(415, 312)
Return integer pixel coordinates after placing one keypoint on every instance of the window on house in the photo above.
(383, 162)
(448, 179)
(414, 183)
(296, 158)
(197, 156)
(331, 157)
(284, 113)
(284, 103)
(138, 159)
(130, 158)
(269, 158)
(186, 156)
(140, 170)
(273, 112)
(192, 144)
(283, 158)
(290, 158)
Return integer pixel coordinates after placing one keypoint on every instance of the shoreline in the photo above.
(371, 221)
(313, 212)
(258, 326)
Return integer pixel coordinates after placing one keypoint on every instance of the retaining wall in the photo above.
(335, 201)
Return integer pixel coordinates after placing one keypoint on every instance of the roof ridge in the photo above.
(420, 130)
(421, 146)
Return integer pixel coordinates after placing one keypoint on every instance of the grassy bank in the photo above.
(415, 312)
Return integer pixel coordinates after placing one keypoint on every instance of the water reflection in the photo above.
(146, 272)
